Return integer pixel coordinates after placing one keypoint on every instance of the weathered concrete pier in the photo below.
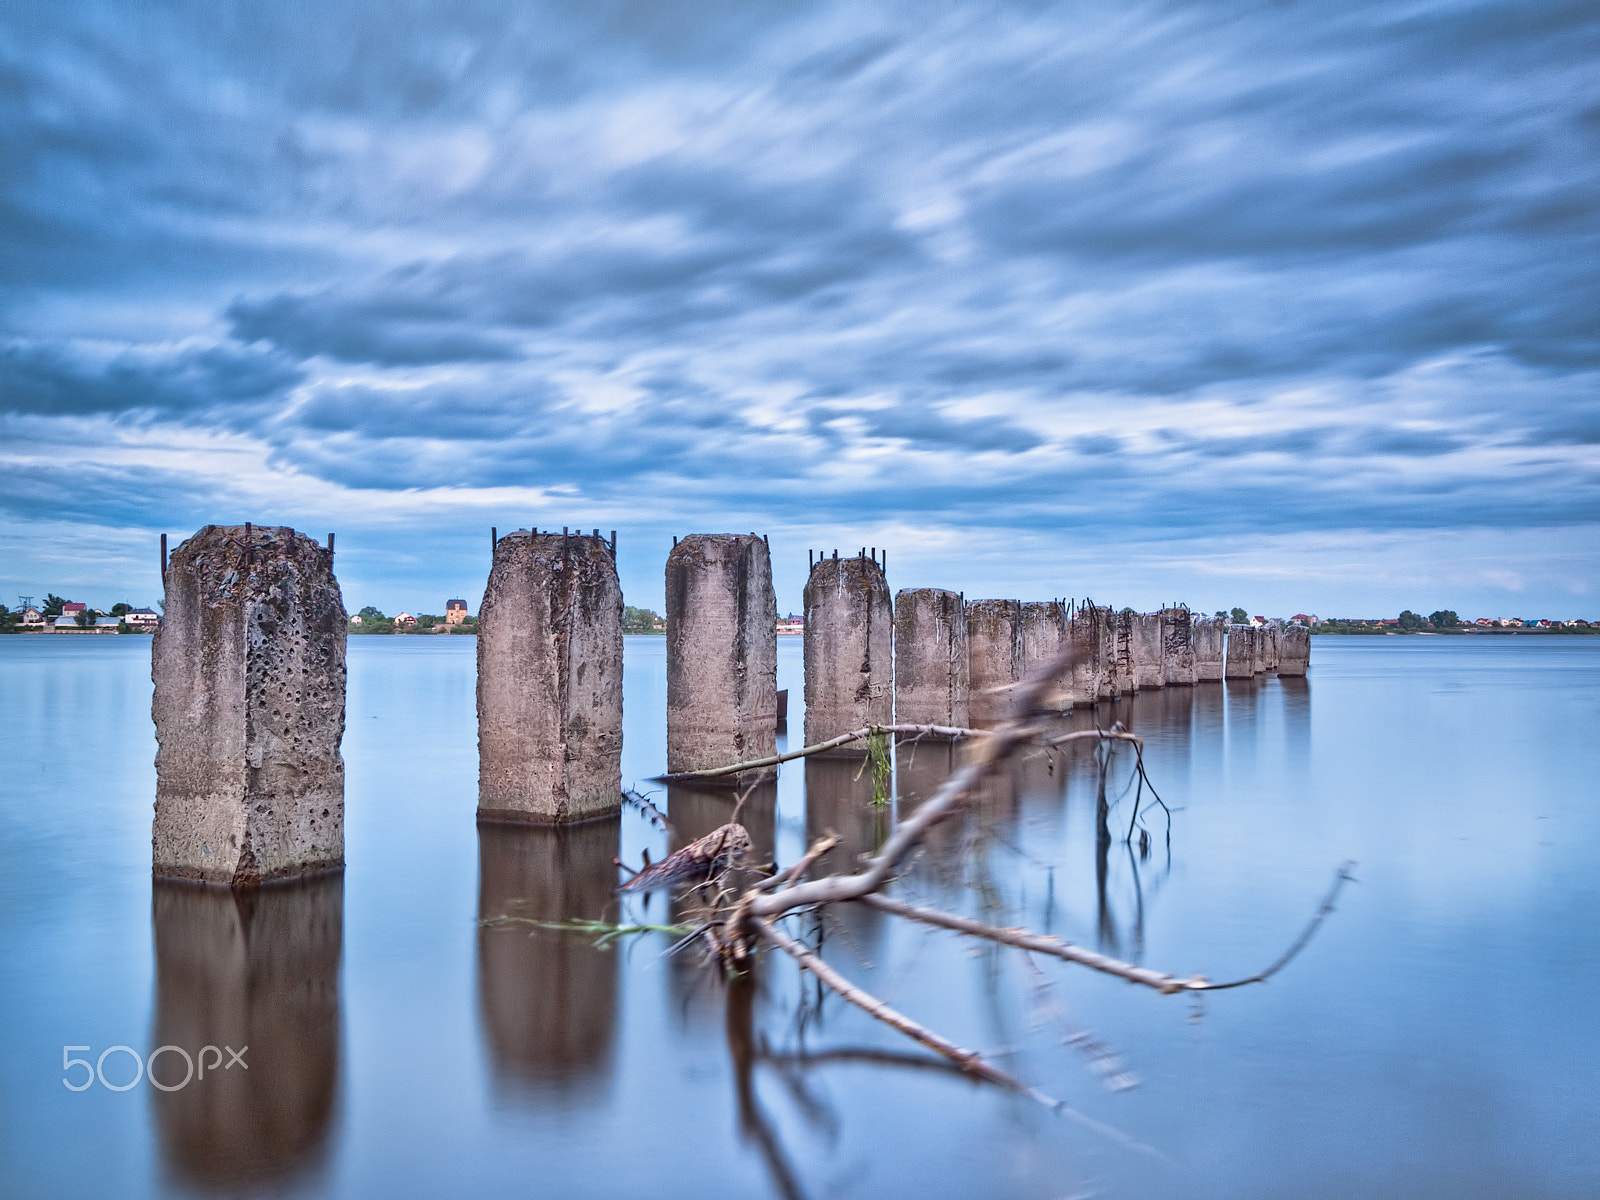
(994, 657)
(1295, 655)
(722, 652)
(249, 676)
(1177, 647)
(1042, 634)
(848, 647)
(1149, 656)
(550, 680)
(931, 658)
(1241, 652)
(1209, 636)
(1083, 682)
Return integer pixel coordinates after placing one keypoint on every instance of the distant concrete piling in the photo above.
(848, 647)
(722, 652)
(1149, 662)
(994, 657)
(1295, 655)
(1106, 624)
(1258, 661)
(1177, 647)
(550, 680)
(1241, 652)
(1210, 636)
(1042, 634)
(249, 674)
(931, 658)
(1122, 667)
(1272, 649)
(1082, 684)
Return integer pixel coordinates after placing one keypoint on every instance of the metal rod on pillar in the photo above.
(163, 560)
(494, 537)
(330, 545)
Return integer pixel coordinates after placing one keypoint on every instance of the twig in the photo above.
(1023, 940)
(1300, 942)
(801, 865)
(969, 1060)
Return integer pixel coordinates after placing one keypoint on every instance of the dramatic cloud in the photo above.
(1120, 284)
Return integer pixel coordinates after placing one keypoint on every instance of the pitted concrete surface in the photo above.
(249, 673)
(550, 681)
(930, 658)
(848, 648)
(722, 652)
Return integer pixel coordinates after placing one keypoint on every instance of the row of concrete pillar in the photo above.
(249, 675)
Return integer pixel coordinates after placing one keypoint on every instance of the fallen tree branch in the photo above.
(833, 743)
(992, 751)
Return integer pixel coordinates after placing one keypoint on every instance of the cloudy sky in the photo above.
(1289, 305)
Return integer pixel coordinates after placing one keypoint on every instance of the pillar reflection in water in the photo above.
(548, 997)
(839, 798)
(1297, 717)
(257, 968)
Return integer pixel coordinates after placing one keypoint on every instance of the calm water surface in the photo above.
(1438, 1038)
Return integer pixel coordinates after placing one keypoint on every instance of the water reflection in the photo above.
(256, 969)
(548, 998)
(1296, 718)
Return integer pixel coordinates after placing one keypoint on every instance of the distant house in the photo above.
(1544, 624)
(455, 612)
(1484, 621)
(356, 620)
(72, 608)
(142, 618)
(404, 620)
(32, 616)
(791, 625)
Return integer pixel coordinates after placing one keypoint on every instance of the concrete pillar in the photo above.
(255, 968)
(1210, 635)
(1241, 652)
(1082, 685)
(1122, 673)
(848, 648)
(1149, 663)
(1177, 646)
(722, 652)
(1042, 631)
(1295, 657)
(1105, 624)
(1258, 661)
(550, 681)
(994, 657)
(1272, 648)
(249, 680)
(930, 658)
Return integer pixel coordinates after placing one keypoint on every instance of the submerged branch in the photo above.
(968, 1060)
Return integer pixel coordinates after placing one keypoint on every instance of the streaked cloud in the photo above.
(1091, 278)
